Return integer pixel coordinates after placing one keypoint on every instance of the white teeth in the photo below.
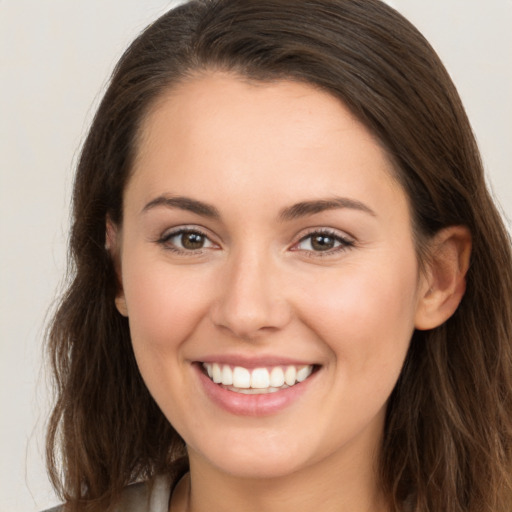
(290, 375)
(241, 378)
(216, 373)
(304, 373)
(260, 379)
(276, 377)
(252, 391)
(257, 380)
(227, 375)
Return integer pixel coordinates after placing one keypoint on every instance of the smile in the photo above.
(257, 380)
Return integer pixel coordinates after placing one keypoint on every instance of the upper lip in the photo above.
(254, 361)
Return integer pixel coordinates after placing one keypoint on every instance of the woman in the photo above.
(290, 286)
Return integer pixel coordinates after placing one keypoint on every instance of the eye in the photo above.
(186, 240)
(323, 242)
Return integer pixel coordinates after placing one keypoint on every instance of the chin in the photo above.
(256, 468)
(255, 461)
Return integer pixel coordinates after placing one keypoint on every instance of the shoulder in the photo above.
(142, 497)
(146, 496)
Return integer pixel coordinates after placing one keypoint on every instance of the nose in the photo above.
(250, 300)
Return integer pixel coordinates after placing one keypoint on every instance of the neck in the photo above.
(327, 486)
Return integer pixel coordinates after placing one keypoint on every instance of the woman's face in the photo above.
(264, 239)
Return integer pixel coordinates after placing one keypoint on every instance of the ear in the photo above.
(112, 245)
(444, 280)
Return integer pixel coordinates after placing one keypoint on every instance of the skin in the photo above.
(258, 288)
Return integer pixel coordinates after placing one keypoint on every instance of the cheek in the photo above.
(164, 304)
(365, 315)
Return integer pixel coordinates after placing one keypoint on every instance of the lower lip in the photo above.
(262, 404)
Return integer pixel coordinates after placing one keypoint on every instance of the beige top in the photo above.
(141, 498)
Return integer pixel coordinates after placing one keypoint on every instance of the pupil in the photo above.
(322, 242)
(192, 240)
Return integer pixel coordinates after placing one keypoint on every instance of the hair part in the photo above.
(447, 443)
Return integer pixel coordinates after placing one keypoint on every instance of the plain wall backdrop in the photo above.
(55, 58)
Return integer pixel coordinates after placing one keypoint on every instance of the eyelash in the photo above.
(343, 242)
(165, 241)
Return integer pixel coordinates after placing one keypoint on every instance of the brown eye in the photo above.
(322, 242)
(186, 240)
(192, 241)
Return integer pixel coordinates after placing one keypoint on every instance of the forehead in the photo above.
(250, 136)
(215, 102)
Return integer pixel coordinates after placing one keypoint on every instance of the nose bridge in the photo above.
(250, 299)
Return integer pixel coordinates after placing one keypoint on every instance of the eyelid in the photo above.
(164, 238)
(345, 241)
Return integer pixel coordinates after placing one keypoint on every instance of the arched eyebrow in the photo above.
(302, 209)
(184, 203)
(305, 208)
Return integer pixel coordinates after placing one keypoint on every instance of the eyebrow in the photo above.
(305, 208)
(184, 203)
(298, 210)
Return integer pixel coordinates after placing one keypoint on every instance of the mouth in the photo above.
(257, 381)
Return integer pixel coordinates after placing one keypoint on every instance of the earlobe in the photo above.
(121, 304)
(111, 236)
(112, 241)
(444, 282)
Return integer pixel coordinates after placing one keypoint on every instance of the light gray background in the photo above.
(55, 56)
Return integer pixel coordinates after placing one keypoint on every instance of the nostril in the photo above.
(249, 320)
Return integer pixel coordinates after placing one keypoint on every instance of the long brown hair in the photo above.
(447, 443)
